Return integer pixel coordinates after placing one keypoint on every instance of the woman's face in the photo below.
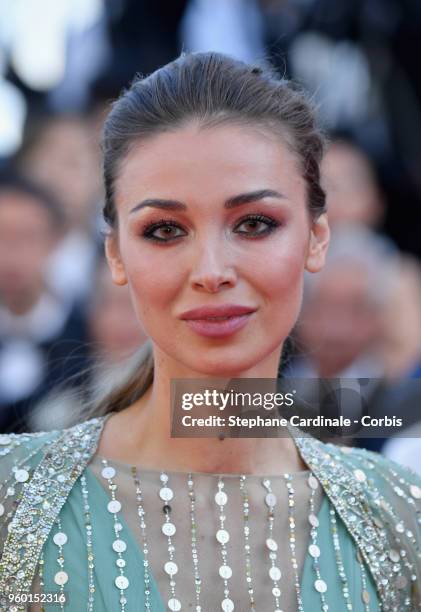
(210, 217)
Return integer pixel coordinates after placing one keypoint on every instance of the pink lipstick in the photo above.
(218, 321)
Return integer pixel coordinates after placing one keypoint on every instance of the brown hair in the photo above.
(211, 88)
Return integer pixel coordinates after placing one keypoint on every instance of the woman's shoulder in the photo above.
(23, 448)
(361, 468)
(375, 468)
(379, 502)
(32, 447)
(33, 465)
(392, 493)
(19, 457)
(381, 481)
(37, 473)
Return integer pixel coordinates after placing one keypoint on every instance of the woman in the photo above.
(213, 201)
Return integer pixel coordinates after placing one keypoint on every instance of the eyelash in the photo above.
(149, 229)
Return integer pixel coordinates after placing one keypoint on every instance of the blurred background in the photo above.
(63, 323)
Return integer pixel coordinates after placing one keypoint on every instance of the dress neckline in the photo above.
(126, 467)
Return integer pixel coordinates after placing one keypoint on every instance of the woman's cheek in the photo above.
(281, 274)
(283, 287)
(152, 290)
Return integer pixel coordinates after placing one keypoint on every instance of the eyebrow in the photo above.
(233, 202)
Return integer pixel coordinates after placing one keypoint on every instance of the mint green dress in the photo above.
(368, 532)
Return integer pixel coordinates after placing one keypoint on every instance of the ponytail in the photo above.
(120, 387)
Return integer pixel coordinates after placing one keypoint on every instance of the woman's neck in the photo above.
(141, 435)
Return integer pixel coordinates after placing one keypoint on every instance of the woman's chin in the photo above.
(222, 368)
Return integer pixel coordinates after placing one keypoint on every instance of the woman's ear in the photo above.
(318, 244)
(112, 252)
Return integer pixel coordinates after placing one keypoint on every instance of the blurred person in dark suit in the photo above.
(352, 190)
(141, 36)
(60, 152)
(339, 332)
(340, 327)
(402, 358)
(401, 345)
(114, 335)
(42, 337)
(349, 329)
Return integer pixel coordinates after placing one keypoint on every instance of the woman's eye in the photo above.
(167, 231)
(257, 225)
(163, 231)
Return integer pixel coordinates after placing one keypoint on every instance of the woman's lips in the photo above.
(218, 327)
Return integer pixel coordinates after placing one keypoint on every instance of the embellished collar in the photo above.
(359, 503)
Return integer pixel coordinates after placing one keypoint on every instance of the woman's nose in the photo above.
(211, 270)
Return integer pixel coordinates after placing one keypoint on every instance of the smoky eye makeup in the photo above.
(167, 230)
(267, 224)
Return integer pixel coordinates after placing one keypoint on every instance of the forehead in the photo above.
(217, 161)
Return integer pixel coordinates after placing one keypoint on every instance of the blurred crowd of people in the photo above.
(60, 313)
(63, 322)
(361, 315)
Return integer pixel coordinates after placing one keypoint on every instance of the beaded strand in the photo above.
(118, 545)
(89, 548)
(292, 539)
(41, 576)
(142, 523)
(365, 595)
(222, 535)
(271, 544)
(339, 560)
(61, 577)
(193, 532)
(314, 550)
(246, 531)
(169, 529)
